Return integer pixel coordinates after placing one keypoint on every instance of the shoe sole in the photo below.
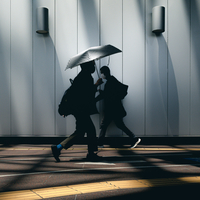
(139, 140)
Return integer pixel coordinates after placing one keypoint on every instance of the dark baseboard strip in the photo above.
(108, 140)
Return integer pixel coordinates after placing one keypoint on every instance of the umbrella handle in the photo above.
(97, 71)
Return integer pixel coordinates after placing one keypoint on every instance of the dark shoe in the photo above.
(55, 152)
(136, 141)
(93, 157)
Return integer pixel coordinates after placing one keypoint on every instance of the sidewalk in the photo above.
(30, 172)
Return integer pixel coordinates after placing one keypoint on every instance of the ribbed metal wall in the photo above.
(162, 71)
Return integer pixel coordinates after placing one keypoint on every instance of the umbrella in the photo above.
(92, 54)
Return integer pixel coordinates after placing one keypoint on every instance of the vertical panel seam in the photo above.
(145, 63)
(100, 107)
(32, 73)
(190, 88)
(54, 47)
(77, 31)
(33, 54)
(122, 43)
(99, 23)
(122, 47)
(167, 70)
(10, 77)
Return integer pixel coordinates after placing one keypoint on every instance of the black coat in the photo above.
(80, 96)
(83, 93)
(112, 98)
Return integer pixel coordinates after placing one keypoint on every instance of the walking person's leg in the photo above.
(91, 138)
(120, 124)
(104, 125)
(68, 142)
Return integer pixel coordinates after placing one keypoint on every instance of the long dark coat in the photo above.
(80, 97)
(112, 101)
(84, 90)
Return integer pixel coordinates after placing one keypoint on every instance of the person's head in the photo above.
(105, 72)
(88, 66)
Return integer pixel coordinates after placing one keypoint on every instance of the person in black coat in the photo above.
(114, 92)
(82, 104)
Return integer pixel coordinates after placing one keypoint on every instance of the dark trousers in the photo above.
(118, 122)
(84, 125)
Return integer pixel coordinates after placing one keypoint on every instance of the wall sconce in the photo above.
(158, 19)
(42, 20)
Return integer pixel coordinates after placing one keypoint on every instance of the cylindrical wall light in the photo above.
(158, 19)
(42, 20)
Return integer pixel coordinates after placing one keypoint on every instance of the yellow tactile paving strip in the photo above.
(94, 187)
(107, 149)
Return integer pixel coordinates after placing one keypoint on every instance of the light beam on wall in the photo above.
(42, 20)
(158, 19)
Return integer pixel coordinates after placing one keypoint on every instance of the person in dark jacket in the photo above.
(82, 105)
(113, 108)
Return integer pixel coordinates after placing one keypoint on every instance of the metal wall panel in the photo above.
(5, 67)
(88, 24)
(179, 67)
(134, 64)
(43, 74)
(162, 71)
(111, 33)
(156, 75)
(66, 47)
(21, 67)
(195, 67)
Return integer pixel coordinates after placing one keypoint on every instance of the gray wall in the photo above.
(162, 71)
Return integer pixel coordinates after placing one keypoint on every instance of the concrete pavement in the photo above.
(30, 172)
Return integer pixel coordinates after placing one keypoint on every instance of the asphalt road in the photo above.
(159, 172)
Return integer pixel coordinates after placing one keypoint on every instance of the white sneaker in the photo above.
(136, 143)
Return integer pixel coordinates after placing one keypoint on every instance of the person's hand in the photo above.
(99, 82)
